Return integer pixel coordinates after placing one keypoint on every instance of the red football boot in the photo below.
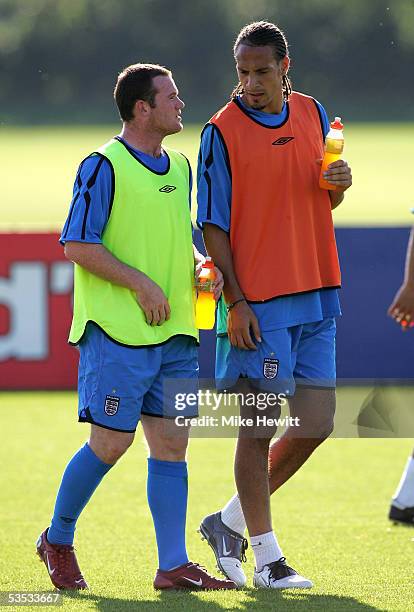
(61, 564)
(190, 576)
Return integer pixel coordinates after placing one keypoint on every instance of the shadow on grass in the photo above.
(302, 601)
(258, 599)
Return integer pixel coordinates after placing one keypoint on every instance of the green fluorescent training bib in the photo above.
(149, 228)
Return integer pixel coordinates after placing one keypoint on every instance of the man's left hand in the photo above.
(339, 174)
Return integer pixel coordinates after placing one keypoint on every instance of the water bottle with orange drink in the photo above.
(206, 304)
(334, 145)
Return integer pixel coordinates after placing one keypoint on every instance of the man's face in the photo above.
(166, 115)
(260, 75)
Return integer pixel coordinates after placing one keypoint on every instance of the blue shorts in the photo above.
(117, 383)
(299, 355)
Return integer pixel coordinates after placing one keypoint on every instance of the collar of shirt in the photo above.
(157, 164)
(271, 119)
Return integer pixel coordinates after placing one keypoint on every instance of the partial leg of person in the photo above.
(109, 401)
(315, 409)
(167, 490)
(288, 453)
(313, 363)
(251, 472)
(82, 476)
(167, 486)
(402, 505)
(313, 403)
(312, 349)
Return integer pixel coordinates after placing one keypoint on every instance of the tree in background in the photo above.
(57, 57)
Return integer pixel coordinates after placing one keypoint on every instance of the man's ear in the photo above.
(285, 62)
(141, 108)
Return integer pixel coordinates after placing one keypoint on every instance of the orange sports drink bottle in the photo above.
(206, 304)
(334, 145)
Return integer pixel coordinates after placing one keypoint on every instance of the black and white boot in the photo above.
(278, 575)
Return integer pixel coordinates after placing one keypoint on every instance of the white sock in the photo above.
(404, 495)
(266, 549)
(232, 515)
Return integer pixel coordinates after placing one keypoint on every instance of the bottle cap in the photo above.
(337, 125)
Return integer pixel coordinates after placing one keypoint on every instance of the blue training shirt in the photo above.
(214, 187)
(94, 183)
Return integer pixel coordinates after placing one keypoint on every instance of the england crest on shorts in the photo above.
(111, 405)
(270, 367)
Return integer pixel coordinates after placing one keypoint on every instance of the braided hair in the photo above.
(261, 34)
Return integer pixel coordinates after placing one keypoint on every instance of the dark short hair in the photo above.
(264, 34)
(134, 83)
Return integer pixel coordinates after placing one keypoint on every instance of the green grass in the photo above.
(330, 518)
(39, 166)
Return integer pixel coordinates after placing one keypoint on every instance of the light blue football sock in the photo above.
(167, 491)
(82, 475)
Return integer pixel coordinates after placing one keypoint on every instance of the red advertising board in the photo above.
(36, 285)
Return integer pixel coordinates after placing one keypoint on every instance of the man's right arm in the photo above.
(99, 261)
(82, 238)
(240, 317)
(218, 247)
(213, 217)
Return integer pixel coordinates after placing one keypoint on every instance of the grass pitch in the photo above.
(330, 519)
(39, 166)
